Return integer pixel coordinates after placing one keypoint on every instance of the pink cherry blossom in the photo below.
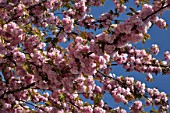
(57, 56)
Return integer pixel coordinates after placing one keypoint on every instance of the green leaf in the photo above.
(138, 96)
(129, 14)
(164, 70)
(97, 99)
(133, 10)
(146, 37)
(130, 97)
(86, 104)
(2, 22)
(123, 1)
(27, 56)
(47, 103)
(84, 35)
(102, 1)
(143, 112)
(61, 97)
(48, 39)
(28, 67)
(144, 1)
(143, 41)
(166, 27)
(153, 111)
(168, 96)
(2, 40)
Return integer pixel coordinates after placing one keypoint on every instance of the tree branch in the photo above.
(155, 12)
(17, 90)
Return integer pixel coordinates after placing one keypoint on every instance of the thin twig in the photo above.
(156, 12)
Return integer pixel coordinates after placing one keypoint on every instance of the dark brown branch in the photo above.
(74, 105)
(18, 90)
(105, 75)
(32, 6)
(155, 12)
(120, 82)
(158, 65)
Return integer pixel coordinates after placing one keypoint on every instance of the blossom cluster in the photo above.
(40, 73)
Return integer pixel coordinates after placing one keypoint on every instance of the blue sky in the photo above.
(158, 36)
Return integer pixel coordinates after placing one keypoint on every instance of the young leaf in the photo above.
(133, 10)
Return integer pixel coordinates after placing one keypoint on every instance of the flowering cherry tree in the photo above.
(39, 75)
